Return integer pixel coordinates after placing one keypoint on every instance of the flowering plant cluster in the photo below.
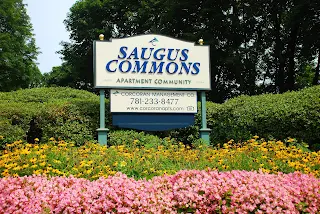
(187, 191)
(91, 161)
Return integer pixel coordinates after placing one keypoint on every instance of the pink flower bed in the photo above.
(187, 191)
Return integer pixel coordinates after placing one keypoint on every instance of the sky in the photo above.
(47, 19)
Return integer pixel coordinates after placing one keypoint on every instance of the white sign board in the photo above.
(151, 62)
(153, 101)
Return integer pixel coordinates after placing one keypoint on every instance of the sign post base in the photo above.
(205, 135)
(204, 131)
(102, 135)
(102, 131)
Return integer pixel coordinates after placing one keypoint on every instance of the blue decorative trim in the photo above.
(152, 122)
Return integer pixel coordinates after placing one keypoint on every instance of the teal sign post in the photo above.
(155, 79)
(102, 131)
(204, 131)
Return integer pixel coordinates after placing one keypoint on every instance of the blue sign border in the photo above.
(153, 121)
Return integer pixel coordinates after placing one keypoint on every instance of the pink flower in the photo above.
(201, 191)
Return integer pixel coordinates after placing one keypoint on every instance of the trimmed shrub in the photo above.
(73, 115)
(49, 112)
(292, 114)
(137, 139)
(271, 116)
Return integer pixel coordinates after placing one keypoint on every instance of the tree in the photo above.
(181, 19)
(18, 51)
(255, 46)
(291, 38)
(60, 76)
(310, 51)
(88, 19)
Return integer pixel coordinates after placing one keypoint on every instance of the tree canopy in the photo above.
(256, 46)
(18, 51)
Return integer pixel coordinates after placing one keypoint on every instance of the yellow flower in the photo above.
(142, 158)
(37, 172)
(265, 170)
(5, 173)
(290, 140)
(75, 169)
(17, 168)
(33, 160)
(225, 166)
(264, 149)
(25, 166)
(62, 144)
(135, 141)
(1, 137)
(57, 161)
(90, 162)
(307, 170)
(225, 146)
(38, 152)
(272, 155)
(42, 164)
(9, 144)
(256, 137)
(25, 151)
(36, 139)
(122, 164)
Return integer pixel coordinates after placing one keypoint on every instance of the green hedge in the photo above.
(292, 114)
(49, 112)
(74, 115)
(271, 116)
